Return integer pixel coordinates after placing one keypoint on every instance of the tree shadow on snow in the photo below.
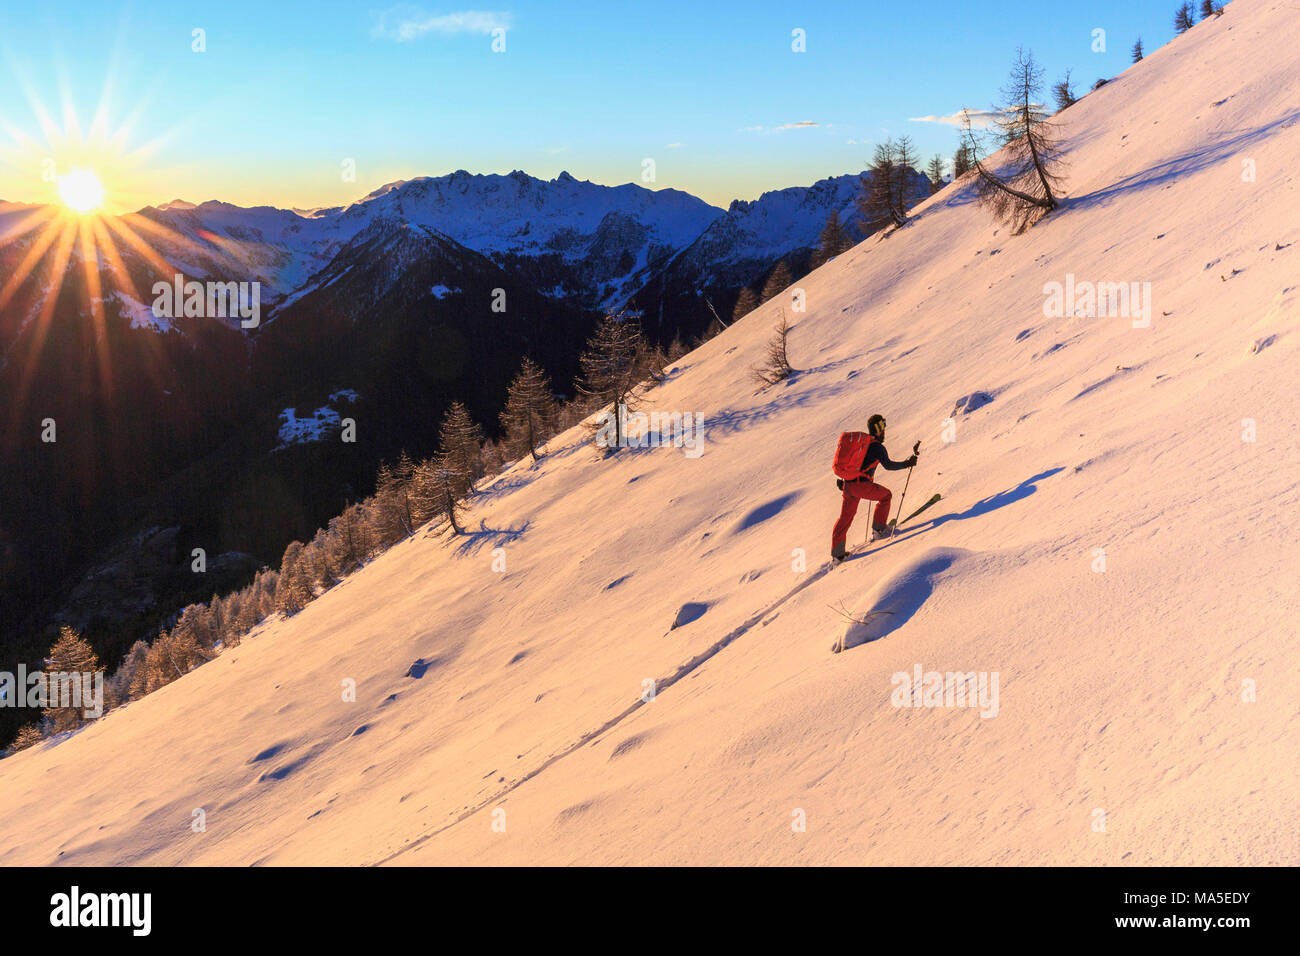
(1210, 155)
(731, 421)
(474, 541)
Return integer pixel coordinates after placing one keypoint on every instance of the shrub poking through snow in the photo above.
(1064, 93)
(776, 362)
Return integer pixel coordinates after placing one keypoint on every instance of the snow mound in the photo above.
(896, 598)
(688, 612)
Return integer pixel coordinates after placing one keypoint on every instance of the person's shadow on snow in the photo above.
(984, 505)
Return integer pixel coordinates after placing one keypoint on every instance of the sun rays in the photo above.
(82, 234)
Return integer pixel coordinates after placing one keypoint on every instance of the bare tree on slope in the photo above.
(1023, 189)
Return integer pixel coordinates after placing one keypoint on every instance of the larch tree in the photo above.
(205, 622)
(250, 610)
(1137, 51)
(436, 484)
(778, 280)
(746, 303)
(886, 191)
(159, 667)
(1184, 18)
(345, 551)
(1024, 188)
(71, 659)
(528, 418)
(194, 623)
(229, 630)
(962, 161)
(613, 369)
(832, 241)
(127, 681)
(293, 591)
(776, 358)
(28, 736)
(1064, 93)
(875, 196)
(172, 655)
(183, 648)
(935, 173)
(393, 513)
(266, 583)
(317, 559)
(460, 438)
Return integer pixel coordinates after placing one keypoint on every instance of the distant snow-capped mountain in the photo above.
(663, 253)
(742, 246)
(573, 236)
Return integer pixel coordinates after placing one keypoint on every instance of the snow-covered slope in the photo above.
(1108, 547)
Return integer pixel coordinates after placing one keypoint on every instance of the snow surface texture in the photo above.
(1121, 559)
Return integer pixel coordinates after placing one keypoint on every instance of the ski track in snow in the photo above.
(660, 686)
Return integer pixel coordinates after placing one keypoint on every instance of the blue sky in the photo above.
(287, 91)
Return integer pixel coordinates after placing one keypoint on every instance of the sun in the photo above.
(81, 191)
(77, 226)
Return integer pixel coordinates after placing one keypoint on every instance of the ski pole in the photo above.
(903, 497)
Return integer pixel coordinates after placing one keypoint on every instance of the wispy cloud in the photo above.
(979, 119)
(802, 124)
(675, 145)
(405, 22)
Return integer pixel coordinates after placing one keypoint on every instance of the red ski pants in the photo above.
(855, 491)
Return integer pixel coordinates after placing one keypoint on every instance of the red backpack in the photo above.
(850, 453)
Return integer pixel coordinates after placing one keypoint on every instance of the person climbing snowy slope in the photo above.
(856, 458)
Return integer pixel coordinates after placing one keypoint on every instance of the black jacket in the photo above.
(876, 453)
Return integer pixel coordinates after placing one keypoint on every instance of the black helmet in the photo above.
(876, 425)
